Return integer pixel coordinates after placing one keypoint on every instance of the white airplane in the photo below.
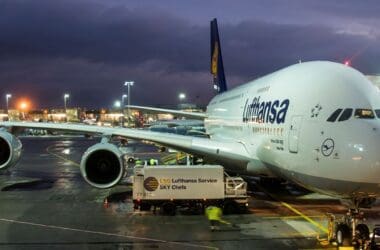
(315, 123)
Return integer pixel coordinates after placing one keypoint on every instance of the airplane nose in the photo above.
(369, 148)
(362, 152)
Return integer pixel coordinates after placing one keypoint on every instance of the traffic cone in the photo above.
(105, 203)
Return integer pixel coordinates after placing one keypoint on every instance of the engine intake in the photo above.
(102, 165)
(10, 150)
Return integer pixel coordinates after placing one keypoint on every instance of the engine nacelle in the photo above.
(102, 165)
(10, 150)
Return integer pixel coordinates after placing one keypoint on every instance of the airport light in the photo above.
(23, 106)
(65, 97)
(182, 96)
(117, 104)
(129, 84)
(7, 96)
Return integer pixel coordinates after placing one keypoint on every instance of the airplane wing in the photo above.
(220, 151)
(170, 111)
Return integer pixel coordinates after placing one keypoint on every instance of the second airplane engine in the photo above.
(10, 150)
(102, 165)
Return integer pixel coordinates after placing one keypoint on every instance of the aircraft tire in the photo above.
(343, 235)
(362, 231)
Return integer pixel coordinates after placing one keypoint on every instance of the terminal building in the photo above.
(101, 117)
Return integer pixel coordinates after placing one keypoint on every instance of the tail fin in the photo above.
(217, 69)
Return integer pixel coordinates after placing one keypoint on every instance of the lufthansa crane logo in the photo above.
(327, 147)
(150, 184)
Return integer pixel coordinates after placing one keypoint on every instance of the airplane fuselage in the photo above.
(282, 120)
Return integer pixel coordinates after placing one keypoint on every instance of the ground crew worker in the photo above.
(152, 162)
(139, 162)
(214, 215)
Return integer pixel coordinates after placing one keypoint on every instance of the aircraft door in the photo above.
(294, 132)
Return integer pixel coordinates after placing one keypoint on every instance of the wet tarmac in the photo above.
(45, 204)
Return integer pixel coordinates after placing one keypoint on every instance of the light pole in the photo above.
(7, 96)
(23, 106)
(122, 109)
(123, 100)
(129, 84)
(117, 104)
(65, 97)
(181, 97)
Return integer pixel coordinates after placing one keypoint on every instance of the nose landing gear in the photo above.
(351, 230)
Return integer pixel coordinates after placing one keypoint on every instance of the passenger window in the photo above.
(345, 115)
(335, 115)
(364, 114)
(377, 111)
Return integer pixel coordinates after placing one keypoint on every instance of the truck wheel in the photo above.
(362, 231)
(343, 235)
(168, 208)
(145, 206)
(243, 210)
(230, 207)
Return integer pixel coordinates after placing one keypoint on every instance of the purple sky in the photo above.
(89, 48)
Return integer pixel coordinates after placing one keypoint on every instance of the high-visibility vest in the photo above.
(213, 213)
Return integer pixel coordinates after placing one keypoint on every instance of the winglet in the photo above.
(217, 69)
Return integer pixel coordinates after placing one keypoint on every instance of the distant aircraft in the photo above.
(313, 123)
(182, 127)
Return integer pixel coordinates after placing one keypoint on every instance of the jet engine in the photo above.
(102, 165)
(10, 150)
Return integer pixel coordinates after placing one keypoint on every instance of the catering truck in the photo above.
(192, 186)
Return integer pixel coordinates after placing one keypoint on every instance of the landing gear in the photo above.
(343, 235)
(362, 231)
(351, 231)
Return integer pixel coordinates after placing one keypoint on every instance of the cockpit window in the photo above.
(377, 111)
(345, 115)
(364, 114)
(335, 115)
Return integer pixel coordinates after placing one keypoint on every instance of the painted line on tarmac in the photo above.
(105, 233)
(302, 227)
(61, 157)
(294, 217)
(305, 217)
(296, 211)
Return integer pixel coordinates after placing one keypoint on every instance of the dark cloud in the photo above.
(351, 8)
(264, 47)
(89, 48)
